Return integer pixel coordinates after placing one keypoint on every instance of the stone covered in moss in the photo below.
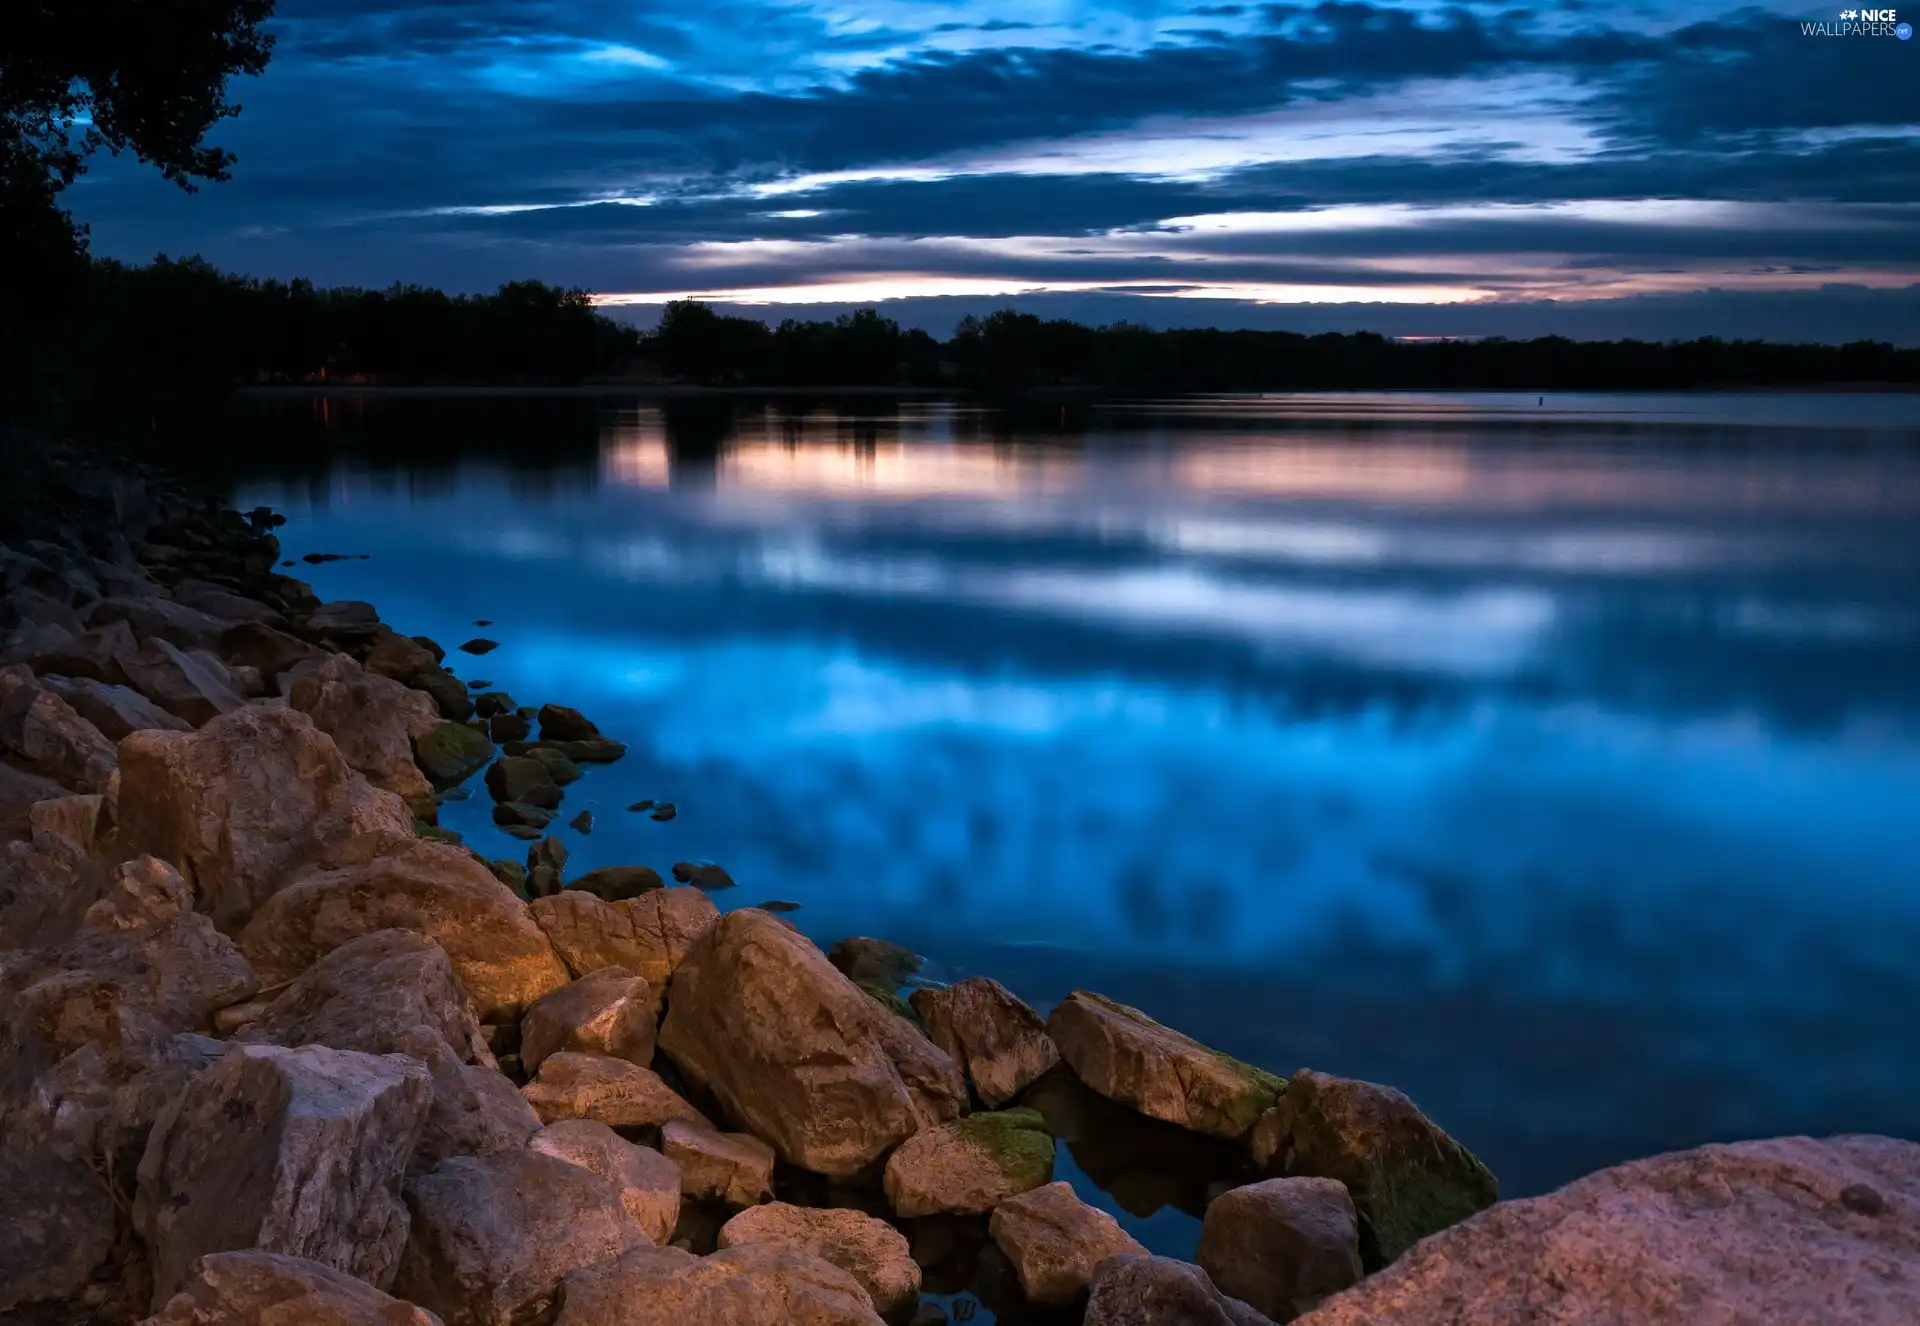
(881, 962)
(971, 1165)
(1408, 1178)
(512, 874)
(451, 752)
(516, 778)
(890, 1001)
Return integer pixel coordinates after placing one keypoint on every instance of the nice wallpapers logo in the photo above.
(1861, 23)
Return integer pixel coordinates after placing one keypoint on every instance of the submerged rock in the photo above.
(493, 1236)
(582, 823)
(1055, 1241)
(290, 1151)
(608, 1012)
(733, 1168)
(1126, 1056)
(516, 812)
(649, 1183)
(617, 883)
(871, 1251)
(1408, 1178)
(969, 1166)
(561, 769)
(874, 961)
(666, 810)
(479, 645)
(448, 692)
(754, 1284)
(702, 875)
(518, 778)
(247, 801)
(1000, 1043)
(1282, 1245)
(793, 1050)
(1785, 1230)
(255, 1288)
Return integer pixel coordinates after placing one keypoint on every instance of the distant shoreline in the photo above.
(584, 389)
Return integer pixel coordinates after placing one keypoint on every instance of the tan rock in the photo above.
(115, 710)
(1159, 1291)
(493, 1236)
(1054, 1241)
(796, 1052)
(998, 1042)
(612, 1091)
(755, 1284)
(735, 1168)
(247, 801)
(502, 958)
(43, 733)
(1784, 1230)
(75, 818)
(374, 722)
(194, 686)
(608, 1012)
(1408, 1179)
(1126, 1056)
(255, 1288)
(871, 1251)
(291, 1151)
(649, 1182)
(969, 1166)
(648, 935)
(1282, 1245)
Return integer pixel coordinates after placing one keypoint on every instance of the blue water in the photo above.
(1559, 765)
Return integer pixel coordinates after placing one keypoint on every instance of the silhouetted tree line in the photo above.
(1009, 351)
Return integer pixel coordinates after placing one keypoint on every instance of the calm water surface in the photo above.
(1557, 764)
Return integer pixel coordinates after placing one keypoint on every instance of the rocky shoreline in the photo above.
(276, 1048)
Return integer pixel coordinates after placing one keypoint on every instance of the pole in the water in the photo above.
(1543, 400)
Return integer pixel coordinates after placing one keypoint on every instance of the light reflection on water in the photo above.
(1555, 764)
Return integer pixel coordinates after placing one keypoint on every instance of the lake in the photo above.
(1555, 761)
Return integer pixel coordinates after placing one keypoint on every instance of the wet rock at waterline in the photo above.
(1780, 1230)
(508, 727)
(615, 883)
(702, 875)
(795, 1052)
(448, 692)
(518, 778)
(582, 823)
(666, 810)
(291, 1151)
(1128, 1057)
(479, 645)
(559, 723)
(971, 1165)
(519, 813)
(871, 1251)
(1055, 1241)
(1159, 1291)
(868, 961)
(1408, 1179)
(1000, 1043)
(449, 752)
(1282, 1245)
(560, 768)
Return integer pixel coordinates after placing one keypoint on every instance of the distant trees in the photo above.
(860, 349)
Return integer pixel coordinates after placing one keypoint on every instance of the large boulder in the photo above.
(1282, 1245)
(44, 734)
(559, 723)
(607, 1012)
(796, 1052)
(291, 1151)
(248, 800)
(255, 1288)
(154, 618)
(1054, 1240)
(217, 601)
(521, 779)
(268, 651)
(1159, 1291)
(755, 1284)
(971, 1165)
(1408, 1178)
(493, 1236)
(1126, 1056)
(1000, 1043)
(115, 710)
(732, 1168)
(193, 685)
(618, 883)
(502, 958)
(374, 722)
(649, 935)
(649, 1182)
(871, 1251)
(1784, 1230)
(611, 1091)
(99, 654)
(450, 752)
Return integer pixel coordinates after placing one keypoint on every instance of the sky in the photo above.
(1591, 168)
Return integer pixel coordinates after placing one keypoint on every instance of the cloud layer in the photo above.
(1267, 156)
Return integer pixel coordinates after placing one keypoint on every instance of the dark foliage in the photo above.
(860, 349)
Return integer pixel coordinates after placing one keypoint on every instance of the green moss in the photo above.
(451, 752)
(510, 873)
(1406, 1202)
(890, 1001)
(1016, 1141)
(422, 829)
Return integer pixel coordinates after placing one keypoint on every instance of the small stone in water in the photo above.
(483, 622)
(702, 875)
(664, 811)
(641, 805)
(582, 823)
(478, 685)
(779, 905)
(454, 794)
(520, 831)
(289, 563)
(479, 645)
